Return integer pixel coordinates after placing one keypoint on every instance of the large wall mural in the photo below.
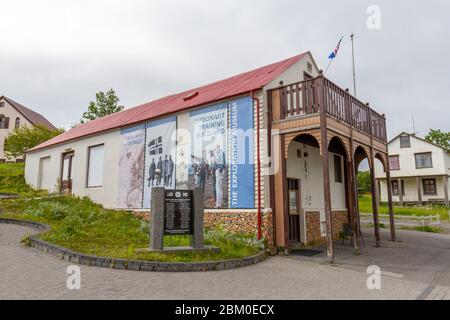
(160, 156)
(214, 151)
(242, 182)
(209, 161)
(131, 168)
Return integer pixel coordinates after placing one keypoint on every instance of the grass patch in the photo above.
(365, 205)
(83, 226)
(12, 180)
(430, 229)
(11, 169)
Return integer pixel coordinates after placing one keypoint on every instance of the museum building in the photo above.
(275, 150)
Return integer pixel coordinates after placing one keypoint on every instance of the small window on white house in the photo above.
(17, 124)
(2, 104)
(394, 162)
(405, 142)
(95, 166)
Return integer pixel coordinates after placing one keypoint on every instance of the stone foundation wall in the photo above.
(312, 220)
(339, 218)
(235, 221)
(312, 224)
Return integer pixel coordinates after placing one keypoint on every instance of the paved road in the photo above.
(31, 274)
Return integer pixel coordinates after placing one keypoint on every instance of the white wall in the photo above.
(408, 171)
(411, 194)
(106, 194)
(408, 162)
(9, 112)
(309, 171)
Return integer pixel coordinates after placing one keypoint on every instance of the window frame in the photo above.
(398, 162)
(402, 146)
(2, 104)
(395, 189)
(338, 174)
(4, 122)
(17, 123)
(424, 153)
(425, 185)
(88, 166)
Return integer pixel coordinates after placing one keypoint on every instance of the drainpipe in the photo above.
(258, 163)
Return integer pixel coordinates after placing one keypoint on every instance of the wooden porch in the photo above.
(321, 111)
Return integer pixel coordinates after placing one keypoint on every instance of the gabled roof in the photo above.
(404, 133)
(32, 116)
(233, 86)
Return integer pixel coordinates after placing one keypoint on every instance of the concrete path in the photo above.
(30, 274)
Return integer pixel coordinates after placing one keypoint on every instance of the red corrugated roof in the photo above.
(233, 86)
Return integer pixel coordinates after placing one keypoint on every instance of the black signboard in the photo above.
(179, 212)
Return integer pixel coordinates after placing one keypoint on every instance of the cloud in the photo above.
(56, 54)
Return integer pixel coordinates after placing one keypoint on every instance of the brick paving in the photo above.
(26, 273)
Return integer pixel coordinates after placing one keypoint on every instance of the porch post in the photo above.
(374, 198)
(400, 191)
(351, 191)
(390, 205)
(325, 167)
(419, 190)
(446, 190)
(353, 195)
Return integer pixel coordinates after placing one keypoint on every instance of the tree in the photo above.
(26, 137)
(440, 138)
(364, 184)
(106, 103)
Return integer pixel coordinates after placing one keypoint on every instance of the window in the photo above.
(396, 189)
(95, 166)
(337, 169)
(394, 162)
(429, 186)
(4, 122)
(17, 125)
(2, 104)
(423, 160)
(405, 142)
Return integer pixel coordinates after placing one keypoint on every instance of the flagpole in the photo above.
(329, 63)
(353, 62)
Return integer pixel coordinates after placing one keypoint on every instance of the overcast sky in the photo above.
(55, 55)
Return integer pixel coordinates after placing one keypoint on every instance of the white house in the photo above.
(419, 171)
(14, 115)
(285, 175)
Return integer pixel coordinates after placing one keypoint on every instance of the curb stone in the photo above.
(126, 264)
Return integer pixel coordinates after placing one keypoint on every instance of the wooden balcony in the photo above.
(313, 96)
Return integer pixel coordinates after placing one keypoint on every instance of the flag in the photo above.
(336, 50)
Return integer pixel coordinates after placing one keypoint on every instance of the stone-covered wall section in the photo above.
(312, 219)
(235, 221)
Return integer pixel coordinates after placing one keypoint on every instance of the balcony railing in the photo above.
(307, 97)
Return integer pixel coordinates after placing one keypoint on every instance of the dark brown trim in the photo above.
(69, 155)
(425, 185)
(326, 168)
(374, 198)
(285, 207)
